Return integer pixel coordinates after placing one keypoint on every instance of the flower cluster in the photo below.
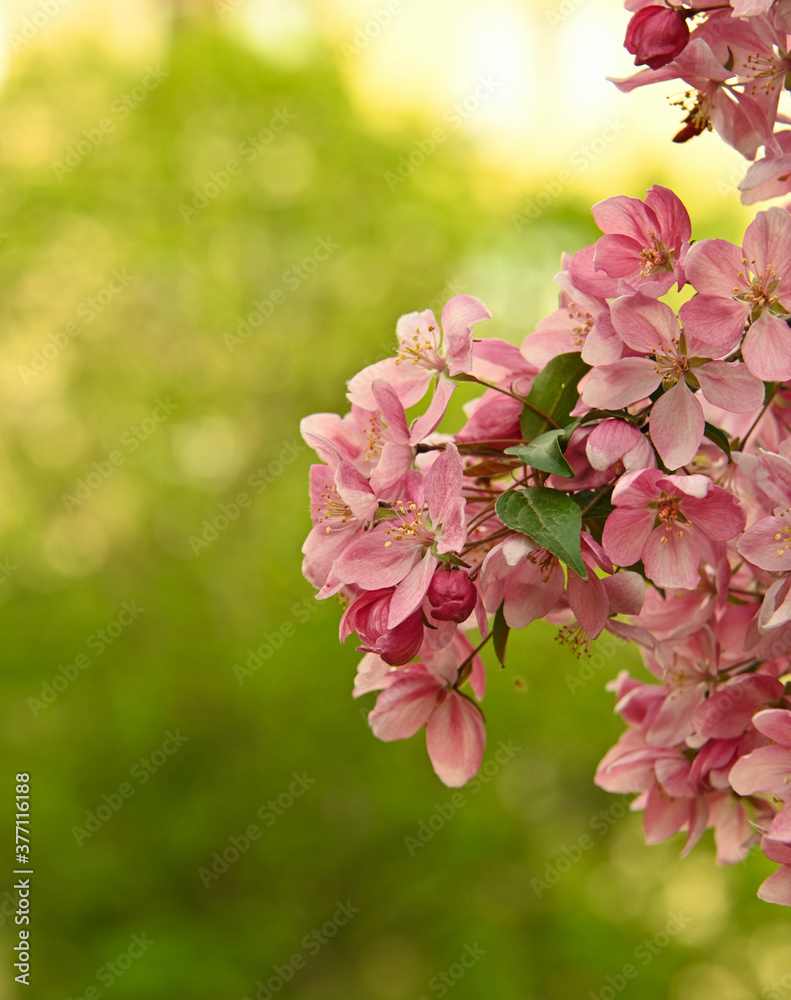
(628, 469)
(735, 63)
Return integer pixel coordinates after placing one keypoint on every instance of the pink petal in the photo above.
(713, 325)
(711, 267)
(388, 476)
(767, 769)
(355, 491)
(626, 216)
(643, 323)
(718, 515)
(777, 888)
(609, 441)
(767, 241)
(458, 317)
(767, 348)
(409, 381)
(664, 816)
(411, 590)
(619, 256)
(455, 739)
(429, 421)
(625, 534)
(588, 600)
(673, 217)
(730, 385)
(676, 424)
(403, 707)
(373, 564)
(392, 410)
(776, 724)
(626, 592)
(764, 544)
(727, 713)
(611, 387)
(444, 483)
(672, 558)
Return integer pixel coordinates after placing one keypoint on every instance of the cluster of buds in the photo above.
(627, 469)
(735, 63)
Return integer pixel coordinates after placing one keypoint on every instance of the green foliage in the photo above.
(549, 517)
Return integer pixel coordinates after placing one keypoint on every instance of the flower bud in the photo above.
(656, 35)
(368, 615)
(452, 595)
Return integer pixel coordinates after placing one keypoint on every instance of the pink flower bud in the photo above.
(367, 616)
(452, 595)
(656, 35)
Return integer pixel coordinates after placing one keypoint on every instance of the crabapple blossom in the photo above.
(602, 480)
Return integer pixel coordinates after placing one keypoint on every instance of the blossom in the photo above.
(420, 356)
(644, 242)
(403, 551)
(677, 421)
(748, 283)
(455, 733)
(660, 519)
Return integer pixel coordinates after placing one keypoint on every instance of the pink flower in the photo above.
(740, 284)
(656, 35)
(677, 421)
(644, 243)
(403, 551)
(420, 357)
(660, 520)
(455, 734)
(368, 615)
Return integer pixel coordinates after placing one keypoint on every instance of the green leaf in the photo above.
(550, 518)
(544, 453)
(500, 632)
(553, 394)
(719, 437)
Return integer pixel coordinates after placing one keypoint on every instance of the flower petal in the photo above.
(676, 424)
(455, 739)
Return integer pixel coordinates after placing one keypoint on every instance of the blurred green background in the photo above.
(150, 460)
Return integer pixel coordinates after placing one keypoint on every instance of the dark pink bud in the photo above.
(452, 595)
(367, 616)
(656, 35)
